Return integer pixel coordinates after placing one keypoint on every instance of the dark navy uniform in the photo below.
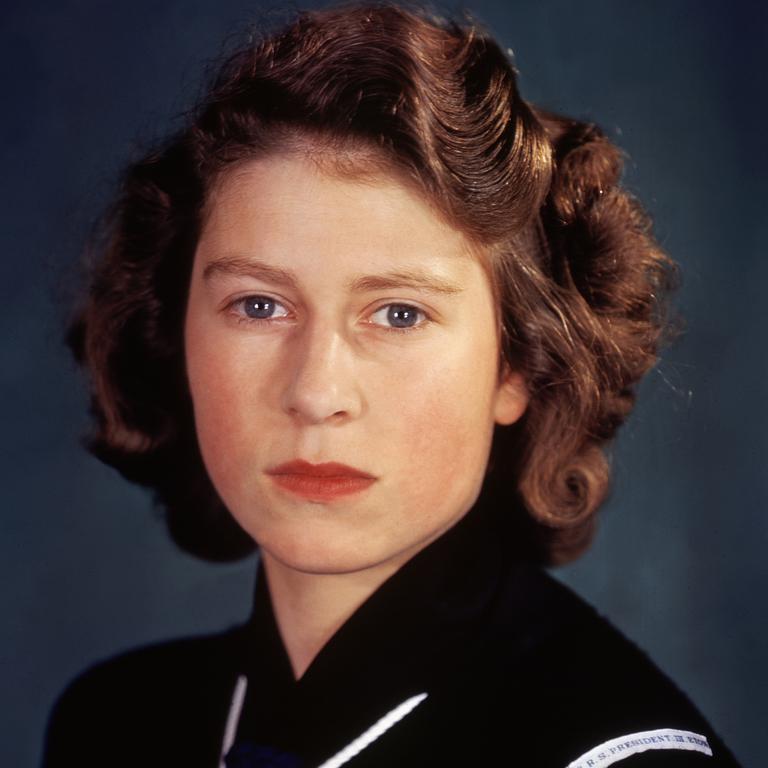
(467, 656)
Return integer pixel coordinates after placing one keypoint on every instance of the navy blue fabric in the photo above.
(514, 666)
(246, 754)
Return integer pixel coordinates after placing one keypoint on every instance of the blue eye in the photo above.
(260, 308)
(399, 316)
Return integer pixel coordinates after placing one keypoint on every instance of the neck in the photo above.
(311, 607)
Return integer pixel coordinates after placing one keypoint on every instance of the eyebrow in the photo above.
(401, 278)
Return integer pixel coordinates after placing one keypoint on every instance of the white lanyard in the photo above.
(367, 738)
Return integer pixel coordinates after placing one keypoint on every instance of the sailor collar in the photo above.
(465, 643)
(398, 645)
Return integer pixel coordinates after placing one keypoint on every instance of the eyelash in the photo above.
(242, 318)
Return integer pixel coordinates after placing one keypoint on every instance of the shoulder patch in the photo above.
(625, 746)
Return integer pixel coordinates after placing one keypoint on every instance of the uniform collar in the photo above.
(405, 639)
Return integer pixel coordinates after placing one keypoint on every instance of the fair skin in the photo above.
(340, 320)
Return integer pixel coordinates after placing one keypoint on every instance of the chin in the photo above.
(316, 555)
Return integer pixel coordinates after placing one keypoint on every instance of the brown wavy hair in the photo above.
(580, 283)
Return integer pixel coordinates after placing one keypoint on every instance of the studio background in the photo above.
(679, 563)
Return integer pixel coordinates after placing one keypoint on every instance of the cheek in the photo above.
(444, 424)
(225, 384)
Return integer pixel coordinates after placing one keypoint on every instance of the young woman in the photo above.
(377, 315)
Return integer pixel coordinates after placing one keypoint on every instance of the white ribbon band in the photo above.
(625, 746)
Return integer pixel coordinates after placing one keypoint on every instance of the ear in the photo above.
(511, 397)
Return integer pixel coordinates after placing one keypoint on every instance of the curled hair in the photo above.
(580, 283)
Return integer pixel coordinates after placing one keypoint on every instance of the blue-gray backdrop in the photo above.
(679, 563)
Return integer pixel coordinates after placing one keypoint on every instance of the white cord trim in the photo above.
(377, 729)
(625, 746)
(233, 718)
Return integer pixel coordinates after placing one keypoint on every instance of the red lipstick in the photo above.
(320, 482)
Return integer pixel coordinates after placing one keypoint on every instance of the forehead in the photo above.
(277, 204)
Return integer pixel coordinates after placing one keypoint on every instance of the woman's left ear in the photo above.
(511, 397)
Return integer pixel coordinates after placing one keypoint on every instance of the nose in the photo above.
(321, 384)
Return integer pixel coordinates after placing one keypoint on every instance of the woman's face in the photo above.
(340, 321)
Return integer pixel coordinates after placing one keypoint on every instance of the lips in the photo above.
(320, 482)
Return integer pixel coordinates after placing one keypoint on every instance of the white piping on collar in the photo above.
(625, 746)
(377, 729)
(233, 718)
(365, 739)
